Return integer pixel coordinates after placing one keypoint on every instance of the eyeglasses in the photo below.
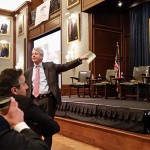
(20, 83)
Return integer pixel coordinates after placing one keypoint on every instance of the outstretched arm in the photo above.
(84, 57)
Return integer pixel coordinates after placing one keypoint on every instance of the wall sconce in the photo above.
(70, 56)
(20, 64)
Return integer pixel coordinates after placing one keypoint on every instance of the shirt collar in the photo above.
(40, 65)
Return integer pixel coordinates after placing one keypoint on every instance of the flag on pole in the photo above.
(117, 61)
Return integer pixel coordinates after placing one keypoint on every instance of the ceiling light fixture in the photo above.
(119, 3)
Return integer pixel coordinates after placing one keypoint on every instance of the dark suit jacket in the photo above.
(51, 72)
(33, 114)
(12, 140)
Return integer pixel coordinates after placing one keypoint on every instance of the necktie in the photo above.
(36, 82)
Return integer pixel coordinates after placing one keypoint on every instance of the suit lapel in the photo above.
(30, 79)
(46, 71)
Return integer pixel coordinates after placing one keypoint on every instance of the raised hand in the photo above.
(14, 115)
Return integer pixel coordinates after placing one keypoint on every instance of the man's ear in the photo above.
(14, 90)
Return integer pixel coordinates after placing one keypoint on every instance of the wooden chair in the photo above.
(106, 86)
(81, 83)
(135, 87)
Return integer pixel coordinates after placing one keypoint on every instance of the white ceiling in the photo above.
(11, 5)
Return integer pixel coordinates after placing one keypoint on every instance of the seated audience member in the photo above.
(12, 83)
(15, 133)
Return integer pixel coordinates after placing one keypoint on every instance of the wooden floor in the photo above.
(64, 143)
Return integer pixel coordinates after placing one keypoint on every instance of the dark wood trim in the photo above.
(53, 24)
(6, 13)
(103, 137)
(29, 54)
(26, 4)
(44, 28)
(65, 90)
(14, 41)
(92, 64)
(25, 54)
(86, 4)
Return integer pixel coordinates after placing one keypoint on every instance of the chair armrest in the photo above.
(74, 78)
(111, 77)
(88, 80)
(128, 77)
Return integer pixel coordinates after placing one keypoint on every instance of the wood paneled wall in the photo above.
(106, 32)
(103, 137)
(107, 28)
(32, 6)
(52, 24)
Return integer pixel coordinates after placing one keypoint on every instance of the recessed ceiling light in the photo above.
(119, 3)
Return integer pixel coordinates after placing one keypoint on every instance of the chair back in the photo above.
(84, 76)
(109, 73)
(138, 71)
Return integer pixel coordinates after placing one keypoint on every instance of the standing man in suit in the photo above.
(12, 83)
(49, 93)
(15, 133)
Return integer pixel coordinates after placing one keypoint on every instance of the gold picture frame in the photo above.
(4, 26)
(4, 50)
(20, 25)
(73, 28)
(72, 3)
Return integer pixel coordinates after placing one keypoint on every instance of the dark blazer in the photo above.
(33, 114)
(12, 140)
(51, 72)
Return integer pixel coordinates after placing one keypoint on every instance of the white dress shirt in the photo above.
(20, 126)
(43, 86)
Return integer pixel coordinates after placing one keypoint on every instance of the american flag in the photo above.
(117, 61)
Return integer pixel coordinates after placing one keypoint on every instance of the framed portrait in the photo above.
(73, 30)
(4, 26)
(54, 6)
(20, 25)
(33, 15)
(72, 3)
(4, 50)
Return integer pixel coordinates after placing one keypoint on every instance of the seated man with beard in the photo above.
(12, 84)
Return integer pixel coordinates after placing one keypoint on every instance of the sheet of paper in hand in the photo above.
(91, 56)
